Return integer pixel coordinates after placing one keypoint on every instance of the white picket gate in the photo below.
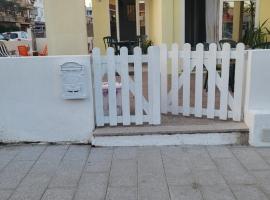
(145, 110)
(182, 64)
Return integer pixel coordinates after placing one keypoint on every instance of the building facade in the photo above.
(17, 17)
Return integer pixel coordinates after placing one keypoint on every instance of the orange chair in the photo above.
(44, 52)
(23, 50)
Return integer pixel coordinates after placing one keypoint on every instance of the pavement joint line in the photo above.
(137, 171)
(11, 160)
(267, 162)
(164, 173)
(82, 171)
(256, 185)
(192, 172)
(109, 177)
(227, 183)
(49, 182)
(27, 173)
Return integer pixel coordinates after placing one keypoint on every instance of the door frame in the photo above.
(137, 18)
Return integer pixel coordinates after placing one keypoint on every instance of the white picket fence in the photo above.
(182, 64)
(145, 110)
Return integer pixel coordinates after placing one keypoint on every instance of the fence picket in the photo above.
(112, 88)
(199, 80)
(159, 98)
(138, 86)
(98, 87)
(154, 98)
(238, 85)
(164, 78)
(186, 79)
(211, 85)
(174, 80)
(125, 86)
(225, 68)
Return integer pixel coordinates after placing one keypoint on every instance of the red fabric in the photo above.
(23, 50)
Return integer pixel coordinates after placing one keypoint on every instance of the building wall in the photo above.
(257, 106)
(155, 19)
(32, 108)
(101, 22)
(164, 21)
(177, 21)
(66, 27)
(264, 11)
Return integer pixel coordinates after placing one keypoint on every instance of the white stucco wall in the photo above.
(257, 104)
(31, 104)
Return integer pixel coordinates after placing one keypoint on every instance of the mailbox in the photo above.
(74, 81)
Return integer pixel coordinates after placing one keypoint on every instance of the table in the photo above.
(130, 44)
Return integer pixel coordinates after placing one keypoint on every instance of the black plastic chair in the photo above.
(140, 39)
(231, 42)
(3, 50)
(110, 41)
(265, 45)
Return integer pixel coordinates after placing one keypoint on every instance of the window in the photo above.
(237, 16)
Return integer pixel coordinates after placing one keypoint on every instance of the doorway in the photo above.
(195, 25)
(128, 18)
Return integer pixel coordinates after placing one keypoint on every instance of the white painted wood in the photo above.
(174, 79)
(125, 86)
(186, 79)
(199, 80)
(98, 95)
(150, 83)
(164, 78)
(112, 88)
(161, 140)
(154, 98)
(211, 85)
(225, 69)
(239, 81)
(132, 89)
(159, 99)
(145, 102)
(218, 84)
(146, 118)
(138, 86)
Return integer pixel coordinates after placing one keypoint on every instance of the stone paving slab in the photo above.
(70, 172)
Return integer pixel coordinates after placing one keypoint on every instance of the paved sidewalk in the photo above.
(150, 173)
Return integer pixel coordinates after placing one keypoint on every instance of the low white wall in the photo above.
(31, 103)
(257, 104)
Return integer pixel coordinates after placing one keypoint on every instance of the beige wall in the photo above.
(66, 27)
(101, 21)
(264, 11)
(168, 21)
(155, 21)
(164, 22)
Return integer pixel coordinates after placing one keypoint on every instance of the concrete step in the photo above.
(210, 134)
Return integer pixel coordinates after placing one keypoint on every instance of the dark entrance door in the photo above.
(195, 27)
(127, 19)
